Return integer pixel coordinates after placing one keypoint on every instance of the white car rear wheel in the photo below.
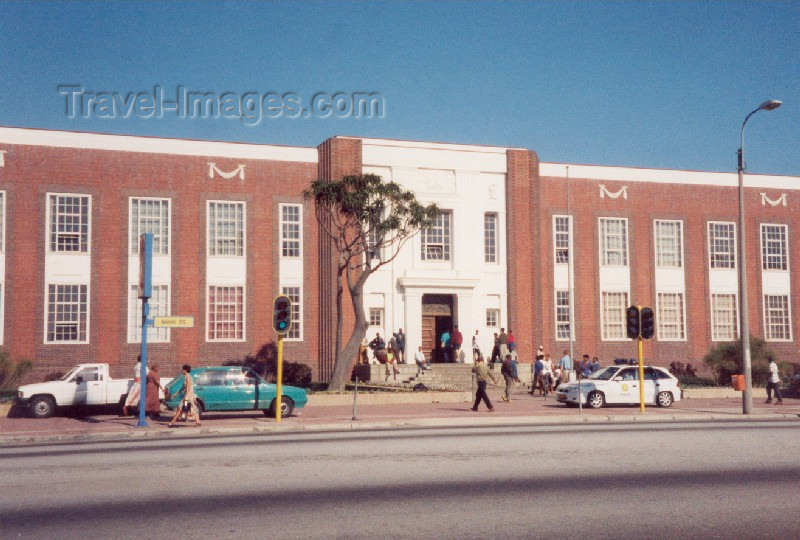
(664, 399)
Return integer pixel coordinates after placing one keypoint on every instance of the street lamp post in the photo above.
(744, 319)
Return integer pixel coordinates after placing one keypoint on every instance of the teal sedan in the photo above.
(235, 389)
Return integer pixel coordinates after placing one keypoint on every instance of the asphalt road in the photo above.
(704, 480)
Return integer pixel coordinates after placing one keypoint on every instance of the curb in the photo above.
(418, 423)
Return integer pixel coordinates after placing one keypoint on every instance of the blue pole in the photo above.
(143, 373)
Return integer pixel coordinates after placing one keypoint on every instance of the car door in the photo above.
(242, 389)
(210, 389)
(651, 385)
(626, 385)
(89, 386)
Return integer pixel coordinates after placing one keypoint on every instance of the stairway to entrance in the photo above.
(456, 377)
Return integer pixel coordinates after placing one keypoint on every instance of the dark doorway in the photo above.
(437, 317)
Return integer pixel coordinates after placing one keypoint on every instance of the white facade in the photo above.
(468, 182)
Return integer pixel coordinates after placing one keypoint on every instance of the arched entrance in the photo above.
(438, 316)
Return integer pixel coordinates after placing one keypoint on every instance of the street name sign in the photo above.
(173, 322)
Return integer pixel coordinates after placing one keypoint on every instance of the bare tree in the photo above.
(368, 220)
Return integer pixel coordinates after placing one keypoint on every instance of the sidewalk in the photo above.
(523, 410)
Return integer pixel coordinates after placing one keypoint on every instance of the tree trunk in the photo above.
(347, 356)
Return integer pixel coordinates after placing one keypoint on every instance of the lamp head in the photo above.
(770, 105)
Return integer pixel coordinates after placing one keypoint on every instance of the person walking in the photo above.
(566, 366)
(476, 351)
(495, 350)
(153, 400)
(481, 371)
(188, 402)
(538, 369)
(507, 371)
(446, 345)
(400, 338)
(502, 340)
(548, 371)
(774, 383)
(458, 339)
(136, 390)
(512, 341)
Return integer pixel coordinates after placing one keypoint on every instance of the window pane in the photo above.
(490, 238)
(436, 239)
(225, 313)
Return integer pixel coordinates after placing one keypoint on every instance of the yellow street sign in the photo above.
(173, 322)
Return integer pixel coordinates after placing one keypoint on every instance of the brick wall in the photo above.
(110, 177)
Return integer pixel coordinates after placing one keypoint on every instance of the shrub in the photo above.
(696, 382)
(265, 363)
(680, 370)
(11, 371)
(725, 360)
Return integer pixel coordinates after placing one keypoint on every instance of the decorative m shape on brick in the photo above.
(213, 169)
(780, 200)
(605, 193)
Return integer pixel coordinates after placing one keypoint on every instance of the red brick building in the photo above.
(231, 231)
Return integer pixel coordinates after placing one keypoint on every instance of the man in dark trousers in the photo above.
(482, 374)
(507, 371)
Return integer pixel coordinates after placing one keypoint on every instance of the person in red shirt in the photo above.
(457, 339)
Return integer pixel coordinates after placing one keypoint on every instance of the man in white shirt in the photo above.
(419, 358)
(774, 383)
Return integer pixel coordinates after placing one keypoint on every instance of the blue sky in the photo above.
(662, 84)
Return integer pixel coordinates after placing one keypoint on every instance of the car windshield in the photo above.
(70, 373)
(605, 373)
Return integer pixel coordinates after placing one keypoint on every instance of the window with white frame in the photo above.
(490, 237)
(562, 315)
(226, 229)
(159, 307)
(774, 247)
(614, 241)
(149, 215)
(436, 239)
(724, 324)
(722, 244)
(670, 317)
(69, 223)
(493, 318)
(613, 311)
(291, 230)
(376, 317)
(225, 313)
(669, 243)
(295, 331)
(67, 313)
(561, 238)
(777, 324)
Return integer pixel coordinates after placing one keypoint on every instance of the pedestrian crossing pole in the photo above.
(281, 323)
(279, 382)
(641, 376)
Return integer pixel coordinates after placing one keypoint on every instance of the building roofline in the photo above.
(155, 145)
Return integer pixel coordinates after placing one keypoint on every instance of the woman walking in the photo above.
(153, 404)
(188, 403)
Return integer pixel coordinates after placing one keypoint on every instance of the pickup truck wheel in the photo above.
(287, 407)
(43, 407)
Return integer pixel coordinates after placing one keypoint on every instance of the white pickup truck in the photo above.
(83, 385)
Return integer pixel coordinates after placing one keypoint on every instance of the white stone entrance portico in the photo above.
(461, 285)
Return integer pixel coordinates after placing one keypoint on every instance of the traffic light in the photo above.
(632, 318)
(281, 314)
(648, 325)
